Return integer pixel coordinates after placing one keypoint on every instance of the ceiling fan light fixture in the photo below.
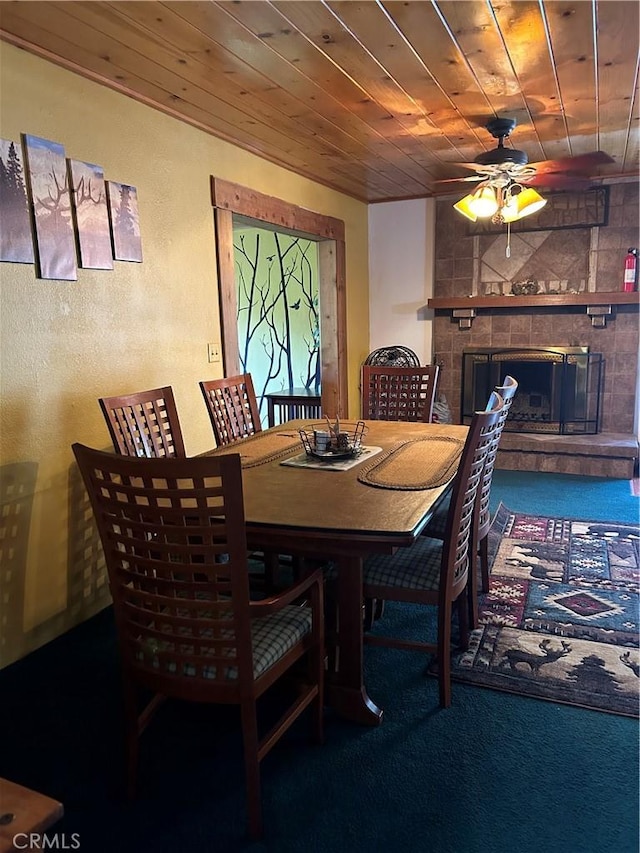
(527, 201)
(484, 202)
(509, 211)
(462, 207)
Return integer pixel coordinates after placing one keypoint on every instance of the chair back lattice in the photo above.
(232, 407)
(174, 542)
(507, 391)
(395, 356)
(144, 423)
(462, 505)
(399, 393)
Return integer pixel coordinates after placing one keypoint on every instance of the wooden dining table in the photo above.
(380, 504)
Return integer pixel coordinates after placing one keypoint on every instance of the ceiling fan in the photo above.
(506, 180)
(502, 166)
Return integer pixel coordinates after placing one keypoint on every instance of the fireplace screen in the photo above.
(558, 387)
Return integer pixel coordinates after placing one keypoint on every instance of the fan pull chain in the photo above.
(508, 249)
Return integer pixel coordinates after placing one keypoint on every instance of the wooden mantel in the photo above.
(544, 300)
(598, 304)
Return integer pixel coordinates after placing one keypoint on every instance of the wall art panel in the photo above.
(91, 215)
(16, 239)
(51, 208)
(125, 223)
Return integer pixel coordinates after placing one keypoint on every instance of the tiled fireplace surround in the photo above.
(585, 257)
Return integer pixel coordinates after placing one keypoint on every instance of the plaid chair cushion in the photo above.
(417, 567)
(272, 636)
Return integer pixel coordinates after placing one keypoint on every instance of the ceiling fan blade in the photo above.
(565, 173)
(461, 180)
(472, 166)
(558, 181)
(580, 163)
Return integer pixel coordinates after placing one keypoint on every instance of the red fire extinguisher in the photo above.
(630, 280)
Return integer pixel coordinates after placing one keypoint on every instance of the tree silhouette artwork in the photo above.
(91, 216)
(16, 239)
(278, 311)
(55, 241)
(125, 224)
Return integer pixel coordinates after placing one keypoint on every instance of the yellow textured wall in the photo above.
(64, 344)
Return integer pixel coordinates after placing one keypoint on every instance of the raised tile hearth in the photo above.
(605, 455)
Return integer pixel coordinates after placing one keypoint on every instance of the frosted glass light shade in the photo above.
(462, 207)
(530, 201)
(484, 202)
(527, 201)
(509, 210)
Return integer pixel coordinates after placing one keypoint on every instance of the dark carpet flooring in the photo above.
(494, 772)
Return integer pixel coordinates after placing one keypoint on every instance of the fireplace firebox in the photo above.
(558, 387)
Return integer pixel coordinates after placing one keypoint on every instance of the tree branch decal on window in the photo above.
(278, 310)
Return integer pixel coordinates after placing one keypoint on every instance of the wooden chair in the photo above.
(232, 407)
(144, 423)
(174, 540)
(398, 393)
(507, 391)
(437, 526)
(435, 572)
(233, 410)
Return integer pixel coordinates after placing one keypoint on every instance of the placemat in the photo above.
(424, 463)
(303, 460)
(260, 448)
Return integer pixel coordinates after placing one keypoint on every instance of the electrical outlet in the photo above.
(213, 352)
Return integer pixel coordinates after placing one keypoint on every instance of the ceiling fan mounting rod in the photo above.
(501, 128)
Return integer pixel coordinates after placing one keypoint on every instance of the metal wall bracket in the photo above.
(464, 316)
(599, 314)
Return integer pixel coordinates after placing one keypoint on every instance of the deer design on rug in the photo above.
(512, 657)
(542, 560)
(626, 660)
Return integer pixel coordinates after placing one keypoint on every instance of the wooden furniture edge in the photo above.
(32, 813)
(553, 300)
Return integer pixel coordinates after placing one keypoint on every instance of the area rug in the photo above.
(560, 621)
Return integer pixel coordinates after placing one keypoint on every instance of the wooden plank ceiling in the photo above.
(377, 99)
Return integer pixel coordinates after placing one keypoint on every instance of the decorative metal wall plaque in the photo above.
(583, 209)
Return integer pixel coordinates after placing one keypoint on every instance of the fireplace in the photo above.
(558, 387)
